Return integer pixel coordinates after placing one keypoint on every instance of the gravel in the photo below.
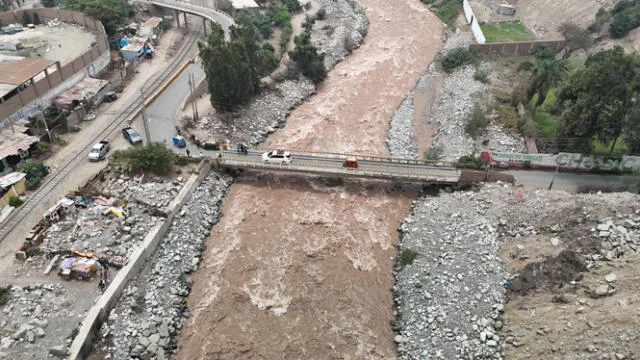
(449, 300)
(149, 313)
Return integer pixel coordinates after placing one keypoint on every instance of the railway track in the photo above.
(127, 113)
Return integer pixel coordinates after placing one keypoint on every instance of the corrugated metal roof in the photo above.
(85, 88)
(10, 179)
(20, 71)
(10, 144)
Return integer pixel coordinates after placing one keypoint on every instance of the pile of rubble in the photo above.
(450, 297)
(31, 319)
(148, 316)
(100, 225)
(510, 272)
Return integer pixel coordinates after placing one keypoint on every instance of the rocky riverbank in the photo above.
(148, 315)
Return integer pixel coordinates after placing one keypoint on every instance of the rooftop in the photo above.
(18, 72)
(85, 88)
(10, 143)
(152, 22)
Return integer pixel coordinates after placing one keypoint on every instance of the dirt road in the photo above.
(300, 268)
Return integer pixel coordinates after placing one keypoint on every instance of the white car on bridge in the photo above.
(277, 157)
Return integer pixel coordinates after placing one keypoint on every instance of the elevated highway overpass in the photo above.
(204, 12)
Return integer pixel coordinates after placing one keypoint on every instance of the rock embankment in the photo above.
(148, 315)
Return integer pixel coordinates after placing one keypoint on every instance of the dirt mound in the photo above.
(551, 273)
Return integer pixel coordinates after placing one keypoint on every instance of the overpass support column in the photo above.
(186, 24)
(204, 25)
(178, 17)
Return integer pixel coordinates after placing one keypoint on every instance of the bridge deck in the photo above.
(332, 165)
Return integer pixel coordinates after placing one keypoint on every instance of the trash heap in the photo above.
(107, 227)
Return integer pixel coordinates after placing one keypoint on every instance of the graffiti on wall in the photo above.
(569, 161)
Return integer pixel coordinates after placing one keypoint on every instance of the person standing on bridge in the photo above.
(188, 153)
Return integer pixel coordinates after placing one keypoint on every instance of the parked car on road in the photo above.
(131, 135)
(99, 151)
(277, 157)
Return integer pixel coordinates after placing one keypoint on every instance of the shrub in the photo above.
(602, 17)
(476, 123)
(154, 156)
(527, 164)
(456, 58)
(481, 75)
(529, 129)
(5, 294)
(15, 201)
(33, 183)
(42, 147)
(407, 257)
(307, 58)
(470, 162)
(509, 116)
(281, 17)
(225, 6)
(321, 14)
(577, 37)
(434, 153)
(285, 35)
(621, 24)
(292, 5)
(519, 95)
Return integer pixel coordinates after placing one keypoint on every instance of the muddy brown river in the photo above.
(301, 267)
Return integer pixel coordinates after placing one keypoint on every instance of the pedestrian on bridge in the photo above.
(188, 153)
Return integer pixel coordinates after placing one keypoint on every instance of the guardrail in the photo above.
(451, 176)
(337, 155)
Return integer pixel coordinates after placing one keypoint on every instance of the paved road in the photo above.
(162, 112)
(332, 165)
(570, 181)
(197, 8)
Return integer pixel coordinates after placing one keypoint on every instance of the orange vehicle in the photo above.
(350, 162)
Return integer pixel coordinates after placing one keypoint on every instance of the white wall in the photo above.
(471, 19)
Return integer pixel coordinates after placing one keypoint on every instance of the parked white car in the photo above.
(277, 157)
(99, 151)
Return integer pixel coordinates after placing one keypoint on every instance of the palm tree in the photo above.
(546, 72)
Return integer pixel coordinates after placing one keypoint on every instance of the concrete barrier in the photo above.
(99, 312)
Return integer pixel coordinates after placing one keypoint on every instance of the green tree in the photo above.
(546, 72)
(601, 100)
(292, 5)
(232, 68)
(154, 156)
(307, 59)
(48, 3)
(110, 12)
(621, 24)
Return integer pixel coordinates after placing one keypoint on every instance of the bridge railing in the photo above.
(451, 175)
(435, 163)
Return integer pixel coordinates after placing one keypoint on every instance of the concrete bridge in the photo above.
(206, 13)
(331, 164)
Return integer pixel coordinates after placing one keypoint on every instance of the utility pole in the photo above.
(555, 172)
(194, 107)
(46, 126)
(145, 121)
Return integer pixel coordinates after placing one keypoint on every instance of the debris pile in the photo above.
(148, 315)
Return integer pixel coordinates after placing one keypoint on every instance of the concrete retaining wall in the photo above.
(81, 346)
(473, 22)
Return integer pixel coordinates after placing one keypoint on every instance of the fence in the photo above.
(12, 109)
(516, 48)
